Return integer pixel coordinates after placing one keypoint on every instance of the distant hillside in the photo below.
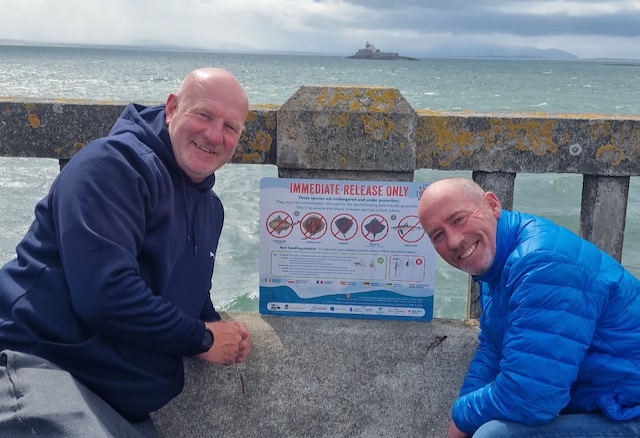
(534, 53)
(466, 51)
(495, 51)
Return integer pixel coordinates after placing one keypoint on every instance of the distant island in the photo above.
(370, 52)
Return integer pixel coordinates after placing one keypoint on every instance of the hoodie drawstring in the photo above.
(191, 239)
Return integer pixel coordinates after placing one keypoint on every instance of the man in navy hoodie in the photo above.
(110, 286)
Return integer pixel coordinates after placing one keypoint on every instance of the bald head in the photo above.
(205, 119)
(206, 80)
(457, 189)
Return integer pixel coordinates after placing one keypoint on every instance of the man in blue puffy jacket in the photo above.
(110, 287)
(559, 343)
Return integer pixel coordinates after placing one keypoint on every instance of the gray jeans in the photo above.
(39, 399)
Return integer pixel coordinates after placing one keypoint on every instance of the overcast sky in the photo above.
(585, 28)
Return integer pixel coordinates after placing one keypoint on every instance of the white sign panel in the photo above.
(344, 248)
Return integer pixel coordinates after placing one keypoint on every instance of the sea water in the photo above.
(485, 85)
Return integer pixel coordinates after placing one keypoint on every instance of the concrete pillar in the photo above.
(500, 183)
(338, 132)
(603, 212)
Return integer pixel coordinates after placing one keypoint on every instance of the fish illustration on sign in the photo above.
(280, 225)
(374, 227)
(405, 228)
(313, 225)
(344, 224)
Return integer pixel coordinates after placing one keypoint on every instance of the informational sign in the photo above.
(351, 249)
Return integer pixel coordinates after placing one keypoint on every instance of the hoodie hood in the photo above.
(148, 125)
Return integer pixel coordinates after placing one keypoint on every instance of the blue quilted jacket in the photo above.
(559, 332)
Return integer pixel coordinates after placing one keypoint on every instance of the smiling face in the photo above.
(205, 119)
(461, 220)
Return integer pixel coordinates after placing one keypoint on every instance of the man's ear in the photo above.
(494, 204)
(170, 107)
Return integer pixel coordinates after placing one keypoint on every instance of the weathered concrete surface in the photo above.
(347, 133)
(326, 377)
(531, 143)
(53, 129)
(365, 129)
(258, 143)
(604, 211)
(60, 128)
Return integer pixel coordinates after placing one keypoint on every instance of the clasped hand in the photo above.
(232, 342)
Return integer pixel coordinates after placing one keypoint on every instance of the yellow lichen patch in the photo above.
(428, 112)
(342, 161)
(76, 147)
(322, 99)
(251, 117)
(29, 106)
(6, 111)
(610, 154)
(487, 139)
(358, 98)
(445, 136)
(535, 136)
(342, 96)
(355, 105)
(578, 116)
(264, 106)
(378, 129)
(600, 132)
(262, 142)
(340, 119)
(250, 158)
(34, 121)
(596, 116)
(444, 164)
(421, 132)
(426, 158)
(538, 114)
(382, 100)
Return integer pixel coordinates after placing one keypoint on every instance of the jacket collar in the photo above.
(505, 243)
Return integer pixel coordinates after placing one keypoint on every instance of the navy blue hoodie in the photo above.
(112, 280)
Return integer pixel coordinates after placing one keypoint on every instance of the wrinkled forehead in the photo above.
(440, 204)
(219, 101)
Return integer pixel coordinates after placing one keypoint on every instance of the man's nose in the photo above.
(454, 240)
(214, 131)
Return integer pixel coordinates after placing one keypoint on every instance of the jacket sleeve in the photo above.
(103, 207)
(552, 311)
(484, 366)
(209, 313)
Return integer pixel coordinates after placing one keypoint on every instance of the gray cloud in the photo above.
(491, 17)
(588, 28)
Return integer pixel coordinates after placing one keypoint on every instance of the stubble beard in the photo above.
(481, 266)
